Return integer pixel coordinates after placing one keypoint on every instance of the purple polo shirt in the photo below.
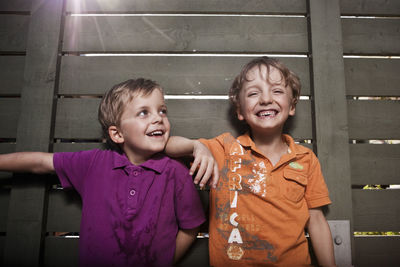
(130, 214)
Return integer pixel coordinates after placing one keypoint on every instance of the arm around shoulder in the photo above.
(34, 162)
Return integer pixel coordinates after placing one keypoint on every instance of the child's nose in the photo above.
(266, 97)
(156, 118)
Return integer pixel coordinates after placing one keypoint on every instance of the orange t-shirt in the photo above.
(258, 212)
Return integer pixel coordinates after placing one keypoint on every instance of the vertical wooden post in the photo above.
(25, 228)
(330, 105)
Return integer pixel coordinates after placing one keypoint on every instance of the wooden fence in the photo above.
(53, 72)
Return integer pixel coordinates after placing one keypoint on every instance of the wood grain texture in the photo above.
(186, 34)
(374, 119)
(11, 74)
(375, 164)
(204, 75)
(222, 6)
(77, 118)
(15, 5)
(9, 114)
(370, 7)
(376, 210)
(13, 32)
(331, 131)
(372, 77)
(377, 251)
(371, 36)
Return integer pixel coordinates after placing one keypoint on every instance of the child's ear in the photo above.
(292, 109)
(115, 135)
(239, 113)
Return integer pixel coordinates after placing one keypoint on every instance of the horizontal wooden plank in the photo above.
(13, 32)
(9, 114)
(371, 36)
(61, 251)
(11, 74)
(372, 77)
(178, 75)
(64, 211)
(375, 164)
(15, 5)
(370, 7)
(377, 251)
(275, 6)
(77, 118)
(4, 203)
(373, 119)
(186, 34)
(376, 210)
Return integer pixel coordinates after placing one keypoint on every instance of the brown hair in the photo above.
(114, 101)
(290, 78)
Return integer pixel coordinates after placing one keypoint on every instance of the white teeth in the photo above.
(156, 133)
(267, 113)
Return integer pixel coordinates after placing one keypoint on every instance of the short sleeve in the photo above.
(317, 194)
(72, 167)
(216, 146)
(188, 207)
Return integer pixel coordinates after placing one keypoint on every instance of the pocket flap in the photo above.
(295, 176)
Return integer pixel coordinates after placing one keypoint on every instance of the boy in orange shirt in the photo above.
(270, 189)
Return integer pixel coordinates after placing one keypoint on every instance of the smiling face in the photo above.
(265, 101)
(144, 127)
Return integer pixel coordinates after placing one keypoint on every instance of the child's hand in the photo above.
(208, 167)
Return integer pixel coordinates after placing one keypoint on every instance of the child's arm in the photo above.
(35, 162)
(184, 239)
(321, 238)
(178, 146)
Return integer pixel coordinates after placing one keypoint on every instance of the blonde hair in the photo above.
(114, 101)
(290, 78)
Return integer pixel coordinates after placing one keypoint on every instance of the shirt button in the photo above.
(132, 192)
(135, 173)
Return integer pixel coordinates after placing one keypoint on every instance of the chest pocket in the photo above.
(294, 185)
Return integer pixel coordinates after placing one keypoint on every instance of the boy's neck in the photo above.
(271, 146)
(135, 158)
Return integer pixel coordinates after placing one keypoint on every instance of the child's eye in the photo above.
(163, 111)
(143, 113)
(252, 94)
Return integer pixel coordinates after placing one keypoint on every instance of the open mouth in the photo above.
(156, 133)
(267, 113)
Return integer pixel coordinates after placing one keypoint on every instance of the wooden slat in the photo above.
(61, 252)
(330, 105)
(77, 118)
(11, 74)
(27, 201)
(64, 211)
(13, 32)
(375, 164)
(280, 6)
(9, 114)
(178, 75)
(371, 36)
(15, 5)
(376, 210)
(4, 202)
(372, 77)
(370, 7)
(374, 119)
(377, 251)
(186, 34)
(2, 242)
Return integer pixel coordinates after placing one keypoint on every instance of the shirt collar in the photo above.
(294, 150)
(156, 163)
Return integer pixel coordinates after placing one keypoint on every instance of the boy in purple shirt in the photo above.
(139, 207)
